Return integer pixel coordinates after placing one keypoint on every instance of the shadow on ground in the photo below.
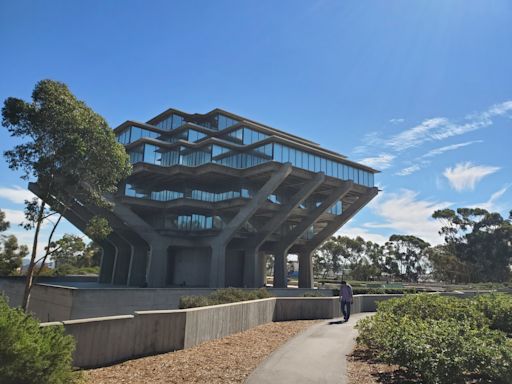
(366, 369)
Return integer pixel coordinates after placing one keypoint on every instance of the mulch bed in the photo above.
(362, 368)
(227, 360)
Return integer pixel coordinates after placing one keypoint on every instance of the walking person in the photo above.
(346, 299)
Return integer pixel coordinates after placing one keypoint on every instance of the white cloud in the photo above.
(492, 204)
(415, 136)
(466, 175)
(434, 129)
(396, 120)
(404, 213)
(424, 160)
(383, 161)
(363, 232)
(441, 150)
(14, 216)
(409, 170)
(16, 194)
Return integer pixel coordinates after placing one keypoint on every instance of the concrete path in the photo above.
(317, 355)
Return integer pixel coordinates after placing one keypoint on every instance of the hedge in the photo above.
(443, 340)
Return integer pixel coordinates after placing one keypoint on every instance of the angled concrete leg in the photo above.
(305, 270)
(108, 257)
(280, 270)
(218, 266)
(157, 271)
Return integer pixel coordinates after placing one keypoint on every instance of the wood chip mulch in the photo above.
(227, 360)
(362, 368)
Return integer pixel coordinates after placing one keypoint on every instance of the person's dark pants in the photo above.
(345, 309)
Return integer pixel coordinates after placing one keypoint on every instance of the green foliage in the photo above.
(498, 309)
(98, 228)
(66, 270)
(223, 296)
(30, 354)
(481, 242)
(312, 294)
(409, 253)
(11, 255)
(71, 252)
(4, 225)
(442, 340)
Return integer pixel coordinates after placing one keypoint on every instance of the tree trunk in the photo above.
(31, 266)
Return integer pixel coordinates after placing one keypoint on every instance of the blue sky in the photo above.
(419, 89)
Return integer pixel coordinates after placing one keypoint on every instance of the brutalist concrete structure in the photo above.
(212, 195)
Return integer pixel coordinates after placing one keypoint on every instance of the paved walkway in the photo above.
(318, 355)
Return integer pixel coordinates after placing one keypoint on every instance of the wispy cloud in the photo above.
(440, 128)
(424, 160)
(428, 131)
(441, 150)
(408, 170)
(493, 205)
(16, 194)
(383, 161)
(396, 120)
(466, 175)
(415, 136)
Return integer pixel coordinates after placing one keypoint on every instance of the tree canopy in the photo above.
(68, 150)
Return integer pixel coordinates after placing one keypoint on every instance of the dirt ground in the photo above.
(227, 360)
(363, 369)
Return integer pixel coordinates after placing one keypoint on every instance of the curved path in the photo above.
(317, 355)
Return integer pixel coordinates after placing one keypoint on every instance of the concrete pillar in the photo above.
(254, 268)
(280, 270)
(123, 258)
(218, 266)
(108, 257)
(138, 265)
(305, 270)
(157, 271)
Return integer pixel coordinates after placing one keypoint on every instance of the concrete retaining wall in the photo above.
(59, 300)
(106, 340)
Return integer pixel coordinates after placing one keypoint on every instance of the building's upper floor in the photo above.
(177, 138)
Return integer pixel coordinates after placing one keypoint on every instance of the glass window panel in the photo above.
(286, 154)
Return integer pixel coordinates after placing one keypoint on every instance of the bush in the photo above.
(440, 339)
(312, 294)
(30, 354)
(498, 309)
(223, 296)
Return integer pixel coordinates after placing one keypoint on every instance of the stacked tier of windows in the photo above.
(216, 122)
(182, 155)
(196, 194)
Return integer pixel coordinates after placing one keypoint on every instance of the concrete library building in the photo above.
(212, 196)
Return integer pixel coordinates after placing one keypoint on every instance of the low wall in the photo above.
(106, 340)
(58, 300)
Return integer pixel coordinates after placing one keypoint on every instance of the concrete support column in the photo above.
(280, 269)
(108, 257)
(218, 266)
(254, 268)
(157, 271)
(123, 259)
(305, 270)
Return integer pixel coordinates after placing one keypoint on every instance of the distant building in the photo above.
(211, 194)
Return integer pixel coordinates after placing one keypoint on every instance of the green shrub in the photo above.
(30, 354)
(312, 294)
(223, 296)
(498, 309)
(440, 339)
